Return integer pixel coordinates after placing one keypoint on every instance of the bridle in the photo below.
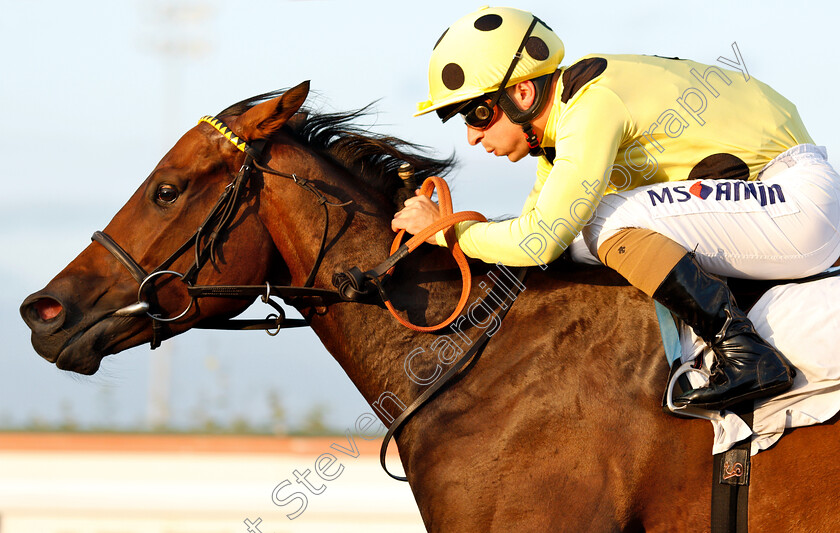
(353, 284)
(204, 241)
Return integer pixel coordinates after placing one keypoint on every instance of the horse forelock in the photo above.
(371, 157)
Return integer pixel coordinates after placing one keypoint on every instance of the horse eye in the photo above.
(166, 194)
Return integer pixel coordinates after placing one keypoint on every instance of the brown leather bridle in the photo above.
(204, 242)
(353, 285)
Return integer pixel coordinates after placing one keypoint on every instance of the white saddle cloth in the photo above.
(803, 322)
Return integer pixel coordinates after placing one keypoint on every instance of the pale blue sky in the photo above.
(90, 102)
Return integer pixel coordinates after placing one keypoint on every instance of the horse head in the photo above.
(80, 316)
(205, 217)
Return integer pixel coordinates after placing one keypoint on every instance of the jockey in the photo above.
(642, 165)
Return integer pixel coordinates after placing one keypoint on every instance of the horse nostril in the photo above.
(43, 313)
(47, 309)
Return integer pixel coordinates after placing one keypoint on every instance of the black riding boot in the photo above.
(746, 366)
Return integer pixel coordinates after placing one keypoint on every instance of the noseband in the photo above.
(204, 242)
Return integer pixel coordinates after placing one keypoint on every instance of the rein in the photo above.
(353, 285)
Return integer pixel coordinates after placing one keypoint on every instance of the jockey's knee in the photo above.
(644, 257)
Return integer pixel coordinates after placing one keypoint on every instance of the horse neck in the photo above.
(365, 340)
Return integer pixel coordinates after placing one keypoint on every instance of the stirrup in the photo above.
(688, 410)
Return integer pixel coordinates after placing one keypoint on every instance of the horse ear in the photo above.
(265, 119)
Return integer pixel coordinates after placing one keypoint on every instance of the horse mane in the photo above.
(372, 157)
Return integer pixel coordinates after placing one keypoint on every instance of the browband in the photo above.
(222, 128)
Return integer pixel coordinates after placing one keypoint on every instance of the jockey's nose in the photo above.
(474, 136)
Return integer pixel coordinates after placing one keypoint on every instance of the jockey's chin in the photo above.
(514, 154)
(517, 155)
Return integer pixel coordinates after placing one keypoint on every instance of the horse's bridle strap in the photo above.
(204, 239)
(220, 216)
(137, 272)
(237, 141)
(289, 293)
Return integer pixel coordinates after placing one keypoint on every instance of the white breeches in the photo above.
(784, 225)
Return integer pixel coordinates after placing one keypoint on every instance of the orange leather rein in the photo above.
(446, 222)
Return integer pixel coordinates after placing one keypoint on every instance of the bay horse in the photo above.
(557, 427)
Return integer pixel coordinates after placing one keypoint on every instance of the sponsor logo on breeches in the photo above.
(738, 191)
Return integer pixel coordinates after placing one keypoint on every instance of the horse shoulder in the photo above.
(575, 369)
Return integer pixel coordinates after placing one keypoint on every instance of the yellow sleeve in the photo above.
(588, 134)
(543, 170)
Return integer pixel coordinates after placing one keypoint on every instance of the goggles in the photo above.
(479, 113)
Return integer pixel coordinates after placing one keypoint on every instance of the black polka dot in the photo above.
(720, 166)
(452, 76)
(440, 38)
(488, 22)
(537, 48)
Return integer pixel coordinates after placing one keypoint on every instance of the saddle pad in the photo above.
(802, 320)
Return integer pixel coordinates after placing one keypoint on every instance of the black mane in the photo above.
(373, 157)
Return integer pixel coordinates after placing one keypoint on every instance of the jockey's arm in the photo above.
(565, 196)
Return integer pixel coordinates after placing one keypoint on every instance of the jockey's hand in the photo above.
(419, 213)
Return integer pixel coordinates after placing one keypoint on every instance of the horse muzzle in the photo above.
(45, 315)
(71, 340)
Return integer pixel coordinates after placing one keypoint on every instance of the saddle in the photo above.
(789, 314)
(747, 294)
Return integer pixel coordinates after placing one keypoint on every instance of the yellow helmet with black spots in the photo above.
(474, 55)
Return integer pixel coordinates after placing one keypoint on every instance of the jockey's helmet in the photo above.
(485, 52)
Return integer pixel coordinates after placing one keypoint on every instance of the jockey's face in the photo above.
(501, 138)
(505, 138)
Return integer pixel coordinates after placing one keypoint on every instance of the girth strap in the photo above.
(731, 484)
